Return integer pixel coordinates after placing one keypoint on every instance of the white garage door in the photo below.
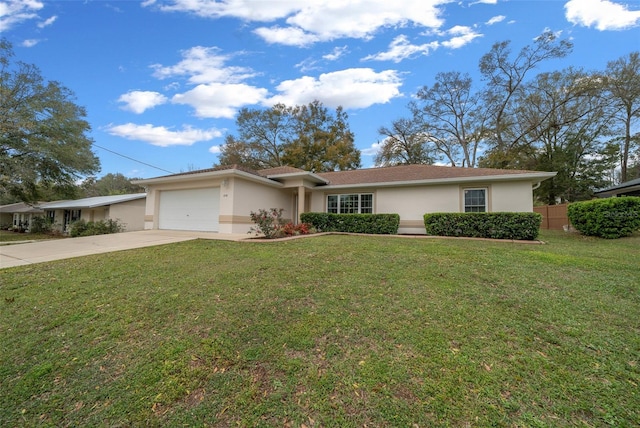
(194, 209)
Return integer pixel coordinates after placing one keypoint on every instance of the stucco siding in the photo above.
(240, 197)
(130, 214)
(411, 203)
(95, 214)
(512, 197)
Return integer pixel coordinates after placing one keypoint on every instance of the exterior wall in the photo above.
(130, 214)
(6, 219)
(94, 214)
(411, 203)
(58, 220)
(516, 196)
(152, 206)
(239, 197)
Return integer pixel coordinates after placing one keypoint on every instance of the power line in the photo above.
(132, 159)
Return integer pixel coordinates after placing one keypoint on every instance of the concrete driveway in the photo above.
(57, 249)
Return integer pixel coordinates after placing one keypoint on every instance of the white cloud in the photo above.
(461, 36)
(602, 14)
(215, 149)
(351, 88)
(29, 43)
(14, 12)
(217, 100)
(400, 48)
(289, 36)
(47, 22)
(307, 64)
(373, 150)
(162, 136)
(337, 52)
(317, 20)
(204, 65)
(249, 10)
(496, 19)
(139, 101)
(218, 92)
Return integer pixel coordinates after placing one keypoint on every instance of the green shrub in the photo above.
(609, 218)
(385, 224)
(40, 224)
(102, 227)
(498, 225)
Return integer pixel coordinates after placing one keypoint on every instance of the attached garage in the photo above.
(190, 209)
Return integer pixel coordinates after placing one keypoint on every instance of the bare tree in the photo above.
(404, 143)
(505, 77)
(451, 116)
(622, 80)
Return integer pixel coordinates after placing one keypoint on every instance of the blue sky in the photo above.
(162, 80)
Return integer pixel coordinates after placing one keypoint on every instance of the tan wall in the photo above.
(130, 214)
(512, 197)
(240, 197)
(96, 214)
(411, 203)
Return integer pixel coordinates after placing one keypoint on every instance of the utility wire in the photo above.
(132, 159)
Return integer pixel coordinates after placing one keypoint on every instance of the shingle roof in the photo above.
(214, 169)
(19, 207)
(621, 186)
(359, 177)
(412, 173)
(280, 170)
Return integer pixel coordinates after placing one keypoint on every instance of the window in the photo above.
(51, 215)
(475, 200)
(350, 204)
(70, 216)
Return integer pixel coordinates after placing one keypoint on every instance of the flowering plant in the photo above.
(268, 222)
(291, 229)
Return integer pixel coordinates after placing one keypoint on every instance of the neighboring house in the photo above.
(18, 215)
(221, 199)
(628, 188)
(127, 209)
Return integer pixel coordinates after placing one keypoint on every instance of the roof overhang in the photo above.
(308, 176)
(88, 203)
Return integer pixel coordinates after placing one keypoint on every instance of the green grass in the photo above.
(338, 331)
(9, 236)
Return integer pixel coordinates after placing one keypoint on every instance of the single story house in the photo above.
(628, 188)
(221, 199)
(127, 209)
(18, 215)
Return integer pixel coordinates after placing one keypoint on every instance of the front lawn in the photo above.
(345, 331)
(9, 236)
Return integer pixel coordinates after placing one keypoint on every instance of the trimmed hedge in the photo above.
(498, 225)
(386, 224)
(609, 218)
